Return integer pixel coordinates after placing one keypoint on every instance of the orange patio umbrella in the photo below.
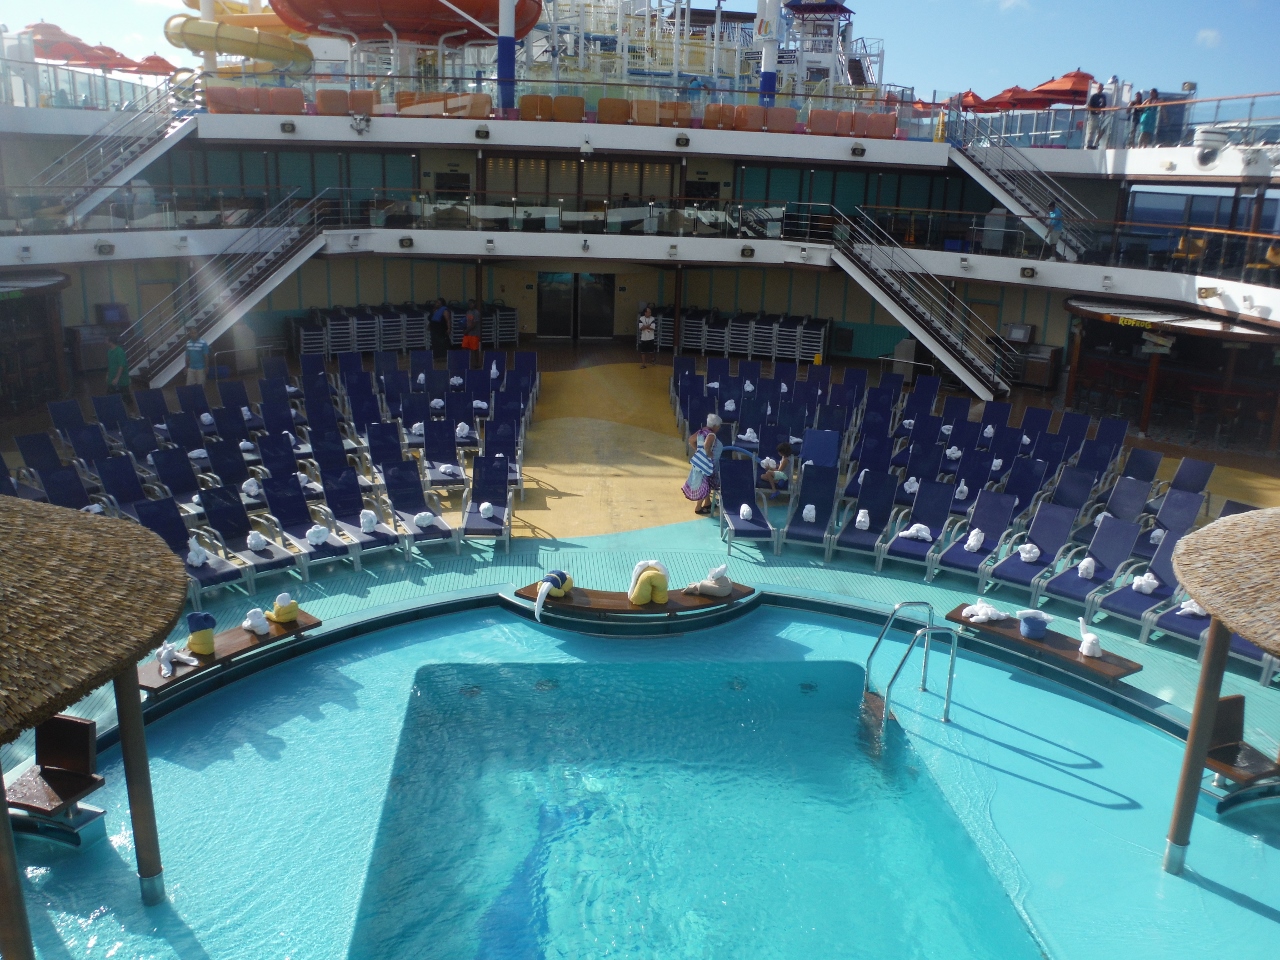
(51, 42)
(1071, 87)
(155, 65)
(973, 103)
(1019, 98)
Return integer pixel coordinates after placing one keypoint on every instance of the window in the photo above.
(562, 181)
(531, 179)
(399, 173)
(500, 179)
(784, 185)
(224, 170)
(754, 181)
(295, 173)
(657, 181)
(851, 190)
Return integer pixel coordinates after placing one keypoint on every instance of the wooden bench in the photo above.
(1229, 756)
(226, 646)
(65, 771)
(1056, 648)
(604, 604)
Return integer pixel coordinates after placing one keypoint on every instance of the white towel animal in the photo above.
(455, 381)
(422, 379)
(782, 388)
(317, 535)
(92, 508)
(954, 453)
(749, 436)
(255, 621)
(303, 478)
(1026, 441)
(437, 404)
(196, 499)
(768, 463)
(206, 419)
(479, 405)
(744, 512)
(996, 464)
(962, 491)
(973, 542)
(1029, 553)
(796, 441)
(201, 454)
(946, 430)
(246, 413)
(251, 488)
(1086, 568)
(1146, 583)
(493, 371)
(1089, 645)
(1097, 521)
(419, 428)
(255, 541)
(989, 432)
(807, 463)
(423, 520)
(863, 475)
(982, 612)
(909, 424)
(462, 431)
(917, 531)
(1033, 615)
(748, 387)
(169, 653)
(716, 584)
(911, 486)
(1190, 608)
(486, 510)
(450, 469)
(713, 385)
(293, 441)
(810, 513)
(641, 567)
(246, 446)
(863, 521)
(197, 555)
(368, 521)
(768, 409)
(1157, 536)
(730, 406)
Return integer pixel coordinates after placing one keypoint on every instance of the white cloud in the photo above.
(1208, 37)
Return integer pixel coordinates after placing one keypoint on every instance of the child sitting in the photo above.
(776, 473)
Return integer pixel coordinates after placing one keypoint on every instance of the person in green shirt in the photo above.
(117, 369)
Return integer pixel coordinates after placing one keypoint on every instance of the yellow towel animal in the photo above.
(284, 611)
(648, 583)
(200, 627)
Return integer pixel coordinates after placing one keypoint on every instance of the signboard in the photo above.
(784, 56)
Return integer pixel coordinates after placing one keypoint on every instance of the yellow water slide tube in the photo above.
(236, 39)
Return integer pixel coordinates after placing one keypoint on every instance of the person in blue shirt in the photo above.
(441, 328)
(1055, 230)
(197, 357)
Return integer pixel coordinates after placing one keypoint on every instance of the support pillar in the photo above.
(1213, 666)
(767, 28)
(1077, 335)
(210, 60)
(137, 778)
(1149, 394)
(676, 321)
(15, 930)
(507, 54)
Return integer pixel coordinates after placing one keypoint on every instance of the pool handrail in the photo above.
(888, 690)
(866, 678)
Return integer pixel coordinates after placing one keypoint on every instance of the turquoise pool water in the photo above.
(473, 785)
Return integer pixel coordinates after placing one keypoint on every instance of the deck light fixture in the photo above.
(859, 150)
(1208, 293)
(1108, 282)
(682, 140)
(748, 252)
(965, 264)
(288, 127)
(104, 249)
(672, 251)
(482, 132)
(406, 243)
(490, 246)
(1027, 273)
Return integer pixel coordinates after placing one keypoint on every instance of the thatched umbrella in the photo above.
(1229, 568)
(84, 598)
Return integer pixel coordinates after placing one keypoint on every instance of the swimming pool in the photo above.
(474, 785)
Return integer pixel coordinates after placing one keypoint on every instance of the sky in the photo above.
(1226, 46)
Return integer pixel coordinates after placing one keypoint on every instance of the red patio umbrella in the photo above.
(973, 103)
(155, 65)
(51, 42)
(1071, 87)
(113, 59)
(1018, 98)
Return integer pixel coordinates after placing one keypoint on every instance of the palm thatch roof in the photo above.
(82, 598)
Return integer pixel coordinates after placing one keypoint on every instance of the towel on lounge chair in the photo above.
(423, 520)
(461, 431)
(768, 463)
(730, 406)
(1097, 521)
(368, 521)
(796, 441)
(981, 612)
(455, 381)
(862, 521)
(251, 488)
(255, 541)
(422, 379)
(1146, 584)
(1026, 441)
(1190, 608)
(246, 446)
(917, 531)
(1029, 553)
(744, 512)
(989, 432)
(962, 491)
(486, 509)
(954, 453)
(1086, 568)
(246, 413)
(418, 429)
(450, 469)
(714, 385)
(493, 371)
(863, 475)
(748, 387)
(973, 542)
(809, 513)
(293, 440)
(256, 622)
(781, 389)
(996, 464)
(749, 436)
(200, 454)
(92, 508)
(909, 424)
(479, 405)
(946, 430)
(437, 404)
(197, 556)
(911, 486)
(1157, 536)
(317, 535)
(169, 653)
(303, 478)
(206, 419)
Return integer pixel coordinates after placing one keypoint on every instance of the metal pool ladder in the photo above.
(870, 697)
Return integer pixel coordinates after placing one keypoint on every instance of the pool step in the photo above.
(873, 709)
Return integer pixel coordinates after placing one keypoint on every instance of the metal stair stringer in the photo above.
(130, 168)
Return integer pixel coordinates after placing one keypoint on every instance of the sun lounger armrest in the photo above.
(208, 481)
(267, 525)
(952, 527)
(1068, 555)
(1128, 570)
(322, 515)
(107, 502)
(433, 502)
(1160, 487)
(213, 543)
(259, 473)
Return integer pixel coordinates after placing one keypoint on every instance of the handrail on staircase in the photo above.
(926, 632)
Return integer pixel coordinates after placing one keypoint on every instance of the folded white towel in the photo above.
(1157, 536)
(422, 379)
(201, 454)
(168, 653)
(946, 430)
(256, 541)
(981, 612)
(909, 424)
(246, 446)
(768, 463)
(917, 531)
(989, 432)
(455, 381)
(768, 409)
(450, 469)
(251, 487)
(962, 491)
(1146, 583)
(283, 599)
(486, 509)
(293, 440)
(1191, 608)
(303, 478)
(1090, 646)
(863, 521)
(748, 387)
(493, 371)
(92, 508)
(1029, 553)
(713, 385)
(206, 419)
(419, 429)
(973, 542)
(744, 512)
(730, 406)
(159, 426)
(1086, 568)
(423, 520)
(368, 521)
(782, 388)
(246, 413)
(197, 555)
(1097, 521)
(911, 486)
(810, 513)
(807, 463)
(749, 436)
(954, 453)
(256, 622)
(796, 441)
(996, 464)
(317, 535)
(151, 460)
(462, 431)
(196, 499)
(863, 475)
(715, 573)
(479, 405)
(1026, 441)
(496, 455)
(437, 404)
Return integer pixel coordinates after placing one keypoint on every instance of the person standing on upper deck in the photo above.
(1093, 125)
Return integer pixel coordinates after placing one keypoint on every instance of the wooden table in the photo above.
(226, 646)
(604, 604)
(1056, 648)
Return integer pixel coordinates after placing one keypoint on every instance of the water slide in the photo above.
(237, 32)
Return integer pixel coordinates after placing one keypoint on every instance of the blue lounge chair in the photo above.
(386, 445)
(350, 362)
(280, 459)
(955, 410)
(1050, 448)
(139, 440)
(440, 449)
(395, 387)
(1113, 431)
(406, 499)
(177, 478)
(1004, 447)
(38, 452)
(920, 401)
(329, 454)
(995, 414)
(277, 368)
(749, 370)
(277, 392)
(458, 409)
(877, 498)
(25, 485)
(923, 430)
(1232, 507)
(164, 518)
(1035, 421)
(291, 517)
(874, 456)
(228, 468)
(152, 405)
(525, 363)
(1124, 602)
(1178, 512)
(1025, 481)
(974, 472)
(415, 408)
(505, 444)
(738, 488)
(230, 525)
(488, 485)
(89, 444)
(932, 508)
(231, 425)
(458, 362)
(991, 514)
(312, 367)
(923, 465)
(235, 397)
(1110, 548)
(184, 431)
(1074, 489)
(193, 400)
(343, 505)
(1192, 476)
(121, 486)
(278, 418)
(1073, 428)
(384, 362)
(1126, 502)
(821, 447)
(64, 488)
(963, 434)
(817, 486)
(1142, 464)
(1050, 531)
(111, 414)
(67, 418)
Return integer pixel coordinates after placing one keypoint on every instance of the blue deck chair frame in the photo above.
(991, 513)
(405, 499)
(738, 488)
(932, 507)
(817, 486)
(1050, 532)
(164, 518)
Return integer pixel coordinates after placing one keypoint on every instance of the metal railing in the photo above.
(866, 679)
(958, 330)
(925, 632)
(25, 83)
